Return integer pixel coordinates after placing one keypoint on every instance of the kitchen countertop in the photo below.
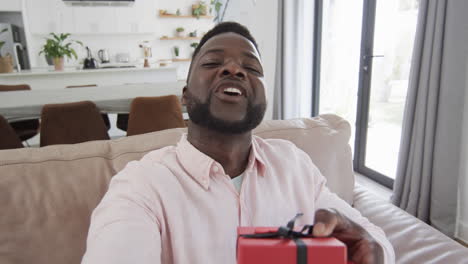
(49, 71)
(15, 105)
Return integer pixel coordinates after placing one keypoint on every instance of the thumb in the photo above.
(325, 223)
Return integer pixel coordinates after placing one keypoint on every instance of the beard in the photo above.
(200, 114)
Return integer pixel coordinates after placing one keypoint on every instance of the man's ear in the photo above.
(183, 100)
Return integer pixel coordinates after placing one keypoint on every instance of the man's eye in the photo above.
(253, 70)
(211, 64)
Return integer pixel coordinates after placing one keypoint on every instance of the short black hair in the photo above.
(224, 27)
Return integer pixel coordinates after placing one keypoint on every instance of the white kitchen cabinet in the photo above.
(42, 16)
(47, 16)
(94, 19)
(66, 18)
(10, 5)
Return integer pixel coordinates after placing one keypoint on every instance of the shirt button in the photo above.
(215, 169)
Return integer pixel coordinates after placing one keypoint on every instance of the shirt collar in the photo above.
(200, 166)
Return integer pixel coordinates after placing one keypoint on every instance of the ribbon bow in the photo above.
(288, 232)
(285, 231)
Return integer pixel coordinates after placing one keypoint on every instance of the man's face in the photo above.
(225, 90)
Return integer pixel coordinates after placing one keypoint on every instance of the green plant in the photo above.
(178, 12)
(176, 51)
(2, 42)
(216, 4)
(193, 33)
(199, 9)
(180, 29)
(58, 46)
(194, 45)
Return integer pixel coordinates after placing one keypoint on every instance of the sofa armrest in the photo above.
(413, 240)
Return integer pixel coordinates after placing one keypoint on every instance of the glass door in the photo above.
(389, 29)
(340, 42)
(365, 49)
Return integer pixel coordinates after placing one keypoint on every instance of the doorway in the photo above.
(365, 49)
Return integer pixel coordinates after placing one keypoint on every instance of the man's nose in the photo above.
(233, 69)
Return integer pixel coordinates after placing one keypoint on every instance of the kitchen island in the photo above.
(45, 78)
(17, 105)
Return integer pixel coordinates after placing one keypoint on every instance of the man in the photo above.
(182, 204)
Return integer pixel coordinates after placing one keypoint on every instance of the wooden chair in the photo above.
(148, 114)
(105, 117)
(25, 129)
(8, 137)
(71, 123)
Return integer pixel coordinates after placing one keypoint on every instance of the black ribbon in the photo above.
(288, 232)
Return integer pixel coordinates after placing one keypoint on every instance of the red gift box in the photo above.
(284, 250)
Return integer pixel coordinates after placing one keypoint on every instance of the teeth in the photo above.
(233, 90)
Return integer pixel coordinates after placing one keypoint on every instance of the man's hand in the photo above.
(362, 248)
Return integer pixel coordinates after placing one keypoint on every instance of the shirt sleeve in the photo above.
(123, 228)
(326, 199)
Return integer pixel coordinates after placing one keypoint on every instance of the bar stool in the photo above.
(8, 137)
(148, 114)
(105, 117)
(71, 123)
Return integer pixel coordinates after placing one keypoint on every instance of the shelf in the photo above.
(180, 38)
(182, 16)
(177, 60)
(174, 60)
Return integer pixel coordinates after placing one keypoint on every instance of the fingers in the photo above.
(363, 252)
(361, 247)
(325, 223)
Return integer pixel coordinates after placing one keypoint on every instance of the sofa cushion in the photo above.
(325, 139)
(47, 194)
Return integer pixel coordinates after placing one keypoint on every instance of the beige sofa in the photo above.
(47, 194)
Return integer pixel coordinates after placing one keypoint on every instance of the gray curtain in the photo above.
(428, 165)
(278, 89)
(293, 76)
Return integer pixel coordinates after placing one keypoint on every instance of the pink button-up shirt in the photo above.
(177, 205)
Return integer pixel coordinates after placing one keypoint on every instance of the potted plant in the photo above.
(180, 32)
(193, 45)
(199, 9)
(57, 47)
(176, 52)
(6, 62)
(215, 5)
(193, 34)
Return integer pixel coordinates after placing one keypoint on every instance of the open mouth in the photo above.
(231, 91)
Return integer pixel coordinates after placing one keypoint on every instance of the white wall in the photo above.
(10, 5)
(115, 28)
(260, 17)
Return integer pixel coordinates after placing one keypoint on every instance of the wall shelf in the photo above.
(174, 60)
(181, 16)
(179, 38)
(180, 60)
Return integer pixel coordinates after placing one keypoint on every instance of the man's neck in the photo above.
(230, 150)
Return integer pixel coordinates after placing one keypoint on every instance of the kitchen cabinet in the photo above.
(47, 16)
(137, 18)
(94, 19)
(42, 16)
(10, 5)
